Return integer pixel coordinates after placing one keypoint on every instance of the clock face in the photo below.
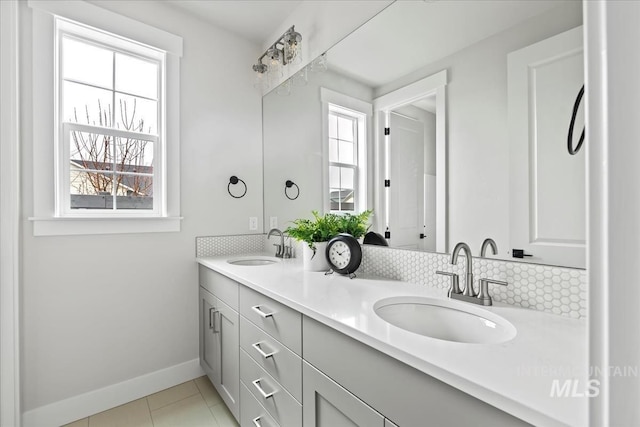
(339, 255)
(344, 254)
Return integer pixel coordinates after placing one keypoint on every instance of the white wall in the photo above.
(293, 145)
(478, 146)
(99, 310)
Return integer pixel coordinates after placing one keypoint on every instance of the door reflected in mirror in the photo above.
(412, 198)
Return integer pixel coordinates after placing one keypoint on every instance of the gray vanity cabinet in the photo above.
(220, 336)
(400, 392)
(327, 404)
(293, 371)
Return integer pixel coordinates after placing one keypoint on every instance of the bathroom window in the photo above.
(115, 149)
(344, 133)
(109, 113)
(346, 126)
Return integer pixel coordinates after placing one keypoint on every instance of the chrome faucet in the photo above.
(489, 242)
(483, 295)
(469, 294)
(468, 288)
(279, 247)
(282, 251)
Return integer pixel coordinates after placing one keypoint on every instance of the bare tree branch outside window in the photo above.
(94, 153)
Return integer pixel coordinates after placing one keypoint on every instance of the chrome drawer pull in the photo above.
(262, 353)
(261, 313)
(256, 384)
(212, 319)
(212, 310)
(256, 422)
(216, 325)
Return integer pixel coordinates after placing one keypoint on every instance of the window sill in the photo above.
(82, 226)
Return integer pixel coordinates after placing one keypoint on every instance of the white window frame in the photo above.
(65, 28)
(363, 112)
(50, 217)
(358, 121)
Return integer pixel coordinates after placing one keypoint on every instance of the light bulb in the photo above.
(292, 47)
(273, 63)
(260, 81)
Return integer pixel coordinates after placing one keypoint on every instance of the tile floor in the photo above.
(192, 404)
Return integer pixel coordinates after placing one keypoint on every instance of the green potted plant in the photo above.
(316, 232)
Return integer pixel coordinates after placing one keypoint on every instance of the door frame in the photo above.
(612, 59)
(434, 84)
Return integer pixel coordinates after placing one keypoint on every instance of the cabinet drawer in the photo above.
(252, 414)
(284, 409)
(278, 320)
(281, 363)
(219, 285)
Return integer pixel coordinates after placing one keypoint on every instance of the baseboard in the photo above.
(81, 406)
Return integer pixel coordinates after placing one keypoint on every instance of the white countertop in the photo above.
(515, 376)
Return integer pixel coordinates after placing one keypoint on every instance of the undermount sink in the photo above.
(445, 320)
(254, 260)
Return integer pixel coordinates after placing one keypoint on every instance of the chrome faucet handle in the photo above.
(288, 249)
(455, 282)
(484, 296)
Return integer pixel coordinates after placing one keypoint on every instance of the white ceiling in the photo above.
(253, 20)
(409, 35)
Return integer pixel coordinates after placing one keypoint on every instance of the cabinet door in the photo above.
(209, 359)
(227, 325)
(327, 404)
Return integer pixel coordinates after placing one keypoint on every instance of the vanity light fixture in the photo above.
(286, 50)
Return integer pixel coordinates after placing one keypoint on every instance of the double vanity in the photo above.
(290, 348)
(445, 133)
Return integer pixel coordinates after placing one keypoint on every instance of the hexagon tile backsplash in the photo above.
(229, 245)
(557, 290)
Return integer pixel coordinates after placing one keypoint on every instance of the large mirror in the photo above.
(475, 96)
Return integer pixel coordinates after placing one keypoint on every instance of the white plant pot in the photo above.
(317, 262)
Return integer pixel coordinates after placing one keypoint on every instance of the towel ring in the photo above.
(288, 185)
(234, 180)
